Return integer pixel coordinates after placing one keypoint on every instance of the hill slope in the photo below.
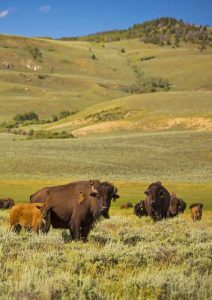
(49, 76)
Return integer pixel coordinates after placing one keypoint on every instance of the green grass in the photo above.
(183, 156)
(126, 257)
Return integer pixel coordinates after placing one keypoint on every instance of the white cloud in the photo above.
(45, 8)
(4, 13)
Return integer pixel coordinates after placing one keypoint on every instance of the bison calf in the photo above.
(196, 211)
(126, 205)
(6, 203)
(35, 217)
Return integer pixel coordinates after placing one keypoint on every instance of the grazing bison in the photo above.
(140, 209)
(196, 211)
(77, 205)
(126, 205)
(182, 206)
(35, 217)
(176, 206)
(157, 201)
(6, 203)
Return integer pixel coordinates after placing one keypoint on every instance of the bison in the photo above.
(196, 211)
(35, 217)
(176, 206)
(157, 201)
(6, 203)
(140, 209)
(77, 205)
(126, 205)
(182, 206)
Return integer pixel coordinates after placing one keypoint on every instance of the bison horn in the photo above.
(94, 190)
(115, 190)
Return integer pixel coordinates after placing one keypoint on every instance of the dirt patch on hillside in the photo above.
(192, 123)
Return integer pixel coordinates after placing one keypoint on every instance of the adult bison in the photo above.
(176, 206)
(140, 209)
(77, 205)
(6, 203)
(157, 201)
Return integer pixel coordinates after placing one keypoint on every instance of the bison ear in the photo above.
(146, 192)
(116, 196)
(80, 198)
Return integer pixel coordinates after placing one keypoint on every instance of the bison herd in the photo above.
(77, 205)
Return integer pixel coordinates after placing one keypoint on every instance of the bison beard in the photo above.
(77, 205)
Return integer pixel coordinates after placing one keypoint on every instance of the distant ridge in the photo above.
(161, 31)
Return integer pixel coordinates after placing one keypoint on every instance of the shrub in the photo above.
(26, 116)
(64, 114)
(54, 118)
(36, 54)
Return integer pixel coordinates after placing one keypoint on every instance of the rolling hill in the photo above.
(119, 93)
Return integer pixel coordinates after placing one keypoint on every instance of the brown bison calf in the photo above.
(126, 205)
(35, 217)
(196, 211)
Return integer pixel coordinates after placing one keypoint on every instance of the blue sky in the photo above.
(59, 18)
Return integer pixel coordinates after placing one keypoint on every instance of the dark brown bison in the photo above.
(140, 209)
(196, 211)
(157, 201)
(77, 205)
(6, 203)
(126, 205)
(176, 206)
(33, 216)
(182, 206)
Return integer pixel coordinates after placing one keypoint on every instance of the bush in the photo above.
(26, 116)
(42, 134)
(54, 118)
(64, 114)
(93, 56)
(36, 54)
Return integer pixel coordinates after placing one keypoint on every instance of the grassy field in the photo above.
(183, 156)
(128, 139)
(125, 258)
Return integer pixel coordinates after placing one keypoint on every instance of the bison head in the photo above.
(105, 192)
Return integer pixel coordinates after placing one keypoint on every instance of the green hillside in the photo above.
(123, 97)
(160, 31)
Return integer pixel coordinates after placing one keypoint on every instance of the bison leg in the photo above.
(85, 231)
(16, 228)
(75, 230)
